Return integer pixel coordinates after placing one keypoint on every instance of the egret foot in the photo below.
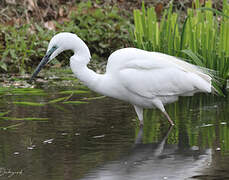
(170, 120)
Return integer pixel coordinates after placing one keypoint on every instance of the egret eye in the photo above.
(49, 53)
(55, 47)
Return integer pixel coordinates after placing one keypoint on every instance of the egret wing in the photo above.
(154, 78)
(122, 58)
(155, 74)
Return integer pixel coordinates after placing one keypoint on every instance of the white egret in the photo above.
(144, 79)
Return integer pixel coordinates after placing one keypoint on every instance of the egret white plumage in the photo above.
(144, 79)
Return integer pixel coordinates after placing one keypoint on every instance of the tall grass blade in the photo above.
(193, 56)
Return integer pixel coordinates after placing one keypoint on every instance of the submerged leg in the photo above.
(170, 120)
(139, 111)
(160, 106)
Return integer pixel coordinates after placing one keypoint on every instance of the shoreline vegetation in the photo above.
(27, 26)
(201, 37)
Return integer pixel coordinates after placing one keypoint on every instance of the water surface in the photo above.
(100, 139)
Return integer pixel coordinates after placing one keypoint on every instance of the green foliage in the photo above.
(11, 126)
(75, 92)
(24, 119)
(21, 91)
(4, 113)
(29, 103)
(58, 100)
(75, 102)
(22, 45)
(202, 37)
(103, 30)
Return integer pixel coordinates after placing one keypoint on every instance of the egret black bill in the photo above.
(43, 62)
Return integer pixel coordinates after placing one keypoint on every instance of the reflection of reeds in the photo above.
(199, 122)
(14, 126)
(202, 37)
(22, 98)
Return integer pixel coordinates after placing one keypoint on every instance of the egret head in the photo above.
(59, 43)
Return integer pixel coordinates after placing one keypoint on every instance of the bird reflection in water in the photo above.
(155, 161)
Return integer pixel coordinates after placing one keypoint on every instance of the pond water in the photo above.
(59, 134)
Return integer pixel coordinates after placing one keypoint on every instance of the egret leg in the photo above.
(169, 119)
(139, 111)
(160, 106)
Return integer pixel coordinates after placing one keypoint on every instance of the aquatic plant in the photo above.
(202, 37)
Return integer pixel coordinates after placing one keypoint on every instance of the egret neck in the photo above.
(79, 61)
(78, 64)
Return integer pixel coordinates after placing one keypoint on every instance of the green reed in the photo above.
(202, 37)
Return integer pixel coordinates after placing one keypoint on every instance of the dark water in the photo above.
(101, 139)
